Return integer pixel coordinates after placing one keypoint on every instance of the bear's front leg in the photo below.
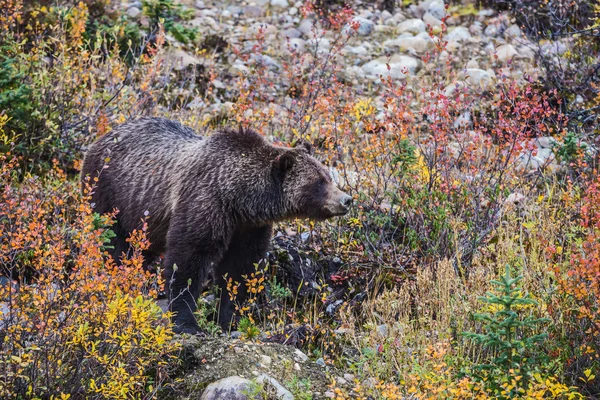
(190, 262)
(247, 247)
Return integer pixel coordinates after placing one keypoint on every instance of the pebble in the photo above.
(133, 12)
(413, 26)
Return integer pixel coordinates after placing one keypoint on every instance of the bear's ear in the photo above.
(284, 162)
(304, 145)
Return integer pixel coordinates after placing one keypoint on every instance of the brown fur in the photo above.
(211, 201)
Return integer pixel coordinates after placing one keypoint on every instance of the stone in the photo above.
(281, 393)
(513, 31)
(253, 11)
(437, 9)
(432, 21)
(458, 34)
(491, 30)
(179, 58)
(413, 26)
(306, 27)
(546, 142)
(365, 27)
(554, 48)
(396, 19)
(478, 77)
(261, 27)
(472, 64)
(506, 52)
(291, 33)
(234, 10)
(300, 356)
(385, 15)
(526, 52)
(265, 360)
(231, 388)
(280, 3)
(320, 362)
(514, 198)
(383, 330)
(476, 28)
(295, 44)
(133, 12)
(400, 66)
(414, 43)
(463, 120)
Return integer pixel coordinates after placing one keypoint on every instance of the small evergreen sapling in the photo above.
(511, 338)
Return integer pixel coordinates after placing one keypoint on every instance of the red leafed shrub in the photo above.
(76, 323)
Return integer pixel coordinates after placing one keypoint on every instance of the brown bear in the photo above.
(211, 201)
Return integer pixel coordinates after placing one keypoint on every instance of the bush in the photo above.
(77, 323)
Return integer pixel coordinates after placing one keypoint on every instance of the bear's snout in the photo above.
(346, 201)
(339, 203)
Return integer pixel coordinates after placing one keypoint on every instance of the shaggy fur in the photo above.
(211, 201)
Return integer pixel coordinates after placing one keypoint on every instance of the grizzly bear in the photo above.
(210, 201)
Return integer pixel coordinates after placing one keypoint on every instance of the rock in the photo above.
(332, 308)
(231, 388)
(396, 19)
(306, 27)
(513, 31)
(458, 34)
(295, 44)
(543, 157)
(253, 11)
(234, 10)
(300, 356)
(365, 27)
(383, 330)
(400, 66)
(329, 394)
(179, 58)
(437, 9)
(413, 26)
(472, 64)
(280, 3)
(554, 48)
(404, 43)
(476, 28)
(341, 381)
(199, 4)
(385, 15)
(491, 30)
(432, 21)
(546, 142)
(290, 33)
(261, 27)
(463, 120)
(526, 52)
(478, 77)
(265, 360)
(506, 52)
(514, 198)
(349, 377)
(281, 393)
(320, 362)
(133, 12)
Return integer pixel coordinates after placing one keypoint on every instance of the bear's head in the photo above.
(308, 190)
